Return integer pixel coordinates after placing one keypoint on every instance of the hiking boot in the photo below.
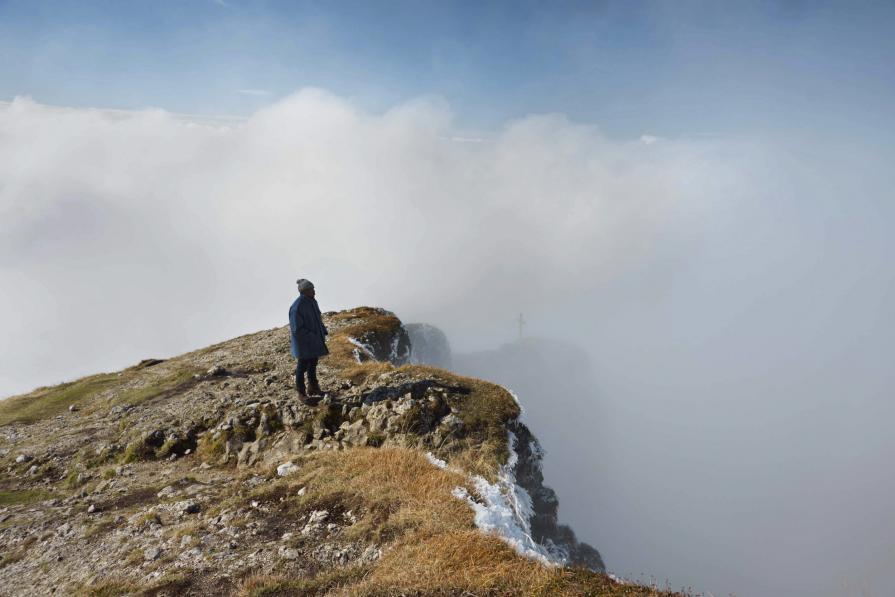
(314, 388)
(310, 400)
(305, 399)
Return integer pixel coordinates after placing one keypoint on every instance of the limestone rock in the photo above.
(289, 553)
(188, 507)
(315, 522)
(166, 492)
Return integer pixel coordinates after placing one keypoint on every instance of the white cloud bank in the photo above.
(129, 234)
(733, 296)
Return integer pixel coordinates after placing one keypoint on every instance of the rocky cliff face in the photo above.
(203, 474)
(429, 345)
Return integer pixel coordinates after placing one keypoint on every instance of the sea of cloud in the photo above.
(728, 298)
(129, 234)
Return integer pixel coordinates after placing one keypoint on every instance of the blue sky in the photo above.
(666, 68)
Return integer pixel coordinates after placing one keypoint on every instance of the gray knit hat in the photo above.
(304, 284)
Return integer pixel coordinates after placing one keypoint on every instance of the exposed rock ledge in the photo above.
(203, 474)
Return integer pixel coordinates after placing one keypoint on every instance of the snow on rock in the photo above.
(361, 349)
(404, 355)
(518, 402)
(521, 510)
(614, 578)
(506, 510)
(286, 468)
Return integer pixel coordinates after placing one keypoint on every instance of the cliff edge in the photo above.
(203, 474)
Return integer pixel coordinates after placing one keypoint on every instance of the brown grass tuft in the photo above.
(430, 543)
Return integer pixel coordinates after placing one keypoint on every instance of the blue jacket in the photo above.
(307, 330)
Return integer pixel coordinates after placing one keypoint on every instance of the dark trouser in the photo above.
(308, 366)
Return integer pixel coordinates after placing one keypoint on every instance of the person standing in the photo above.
(308, 339)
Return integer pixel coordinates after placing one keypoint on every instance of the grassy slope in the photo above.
(435, 548)
(431, 545)
(131, 386)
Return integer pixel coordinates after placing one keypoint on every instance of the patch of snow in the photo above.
(507, 510)
(436, 461)
(393, 353)
(361, 348)
(520, 499)
(394, 357)
(518, 402)
(286, 468)
(497, 516)
(614, 578)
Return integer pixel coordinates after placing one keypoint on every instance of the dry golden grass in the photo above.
(431, 544)
(111, 587)
(171, 583)
(360, 322)
(403, 503)
(396, 488)
(484, 411)
(283, 586)
(360, 373)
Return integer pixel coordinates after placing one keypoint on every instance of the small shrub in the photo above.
(109, 588)
(168, 448)
(211, 446)
(135, 451)
(147, 518)
(91, 459)
(71, 481)
(134, 557)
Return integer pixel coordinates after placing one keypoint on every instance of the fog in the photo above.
(709, 331)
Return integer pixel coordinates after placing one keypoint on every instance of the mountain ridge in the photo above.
(203, 474)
